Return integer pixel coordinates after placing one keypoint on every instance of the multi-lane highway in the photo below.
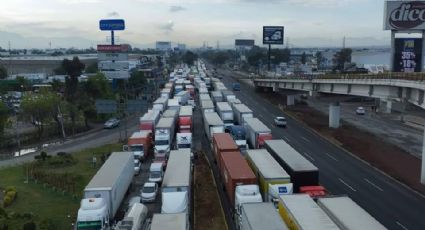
(394, 205)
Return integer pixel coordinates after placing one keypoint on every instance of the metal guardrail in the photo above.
(392, 76)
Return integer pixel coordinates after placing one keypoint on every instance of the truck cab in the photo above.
(156, 172)
(239, 135)
(184, 140)
(245, 194)
(236, 86)
(93, 214)
(162, 143)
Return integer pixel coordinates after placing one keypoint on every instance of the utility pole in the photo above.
(269, 55)
(343, 42)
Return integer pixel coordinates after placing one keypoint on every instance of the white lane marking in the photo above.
(374, 185)
(345, 183)
(308, 156)
(402, 226)
(332, 157)
(286, 139)
(261, 115)
(307, 140)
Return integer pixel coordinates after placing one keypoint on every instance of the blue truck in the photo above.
(236, 87)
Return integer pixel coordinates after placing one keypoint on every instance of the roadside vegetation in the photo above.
(48, 190)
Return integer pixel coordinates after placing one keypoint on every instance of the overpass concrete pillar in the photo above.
(423, 160)
(290, 100)
(388, 106)
(334, 115)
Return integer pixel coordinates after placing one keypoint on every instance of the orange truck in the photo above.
(140, 143)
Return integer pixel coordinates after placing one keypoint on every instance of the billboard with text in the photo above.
(273, 35)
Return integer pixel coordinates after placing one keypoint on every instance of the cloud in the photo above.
(174, 9)
(78, 1)
(167, 27)
(113, 14)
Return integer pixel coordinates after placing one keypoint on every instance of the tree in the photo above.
(319, 59)
(73, 69)
(59, 70)
(97, 87)
(342, 57)
(4, 116)
(220, 57)
(92, 68)
(23, 83)
(189, 57)
(280, 55)
(38, 108)
(30, 226)
(3, 72)
(136, 81)
(303, 58)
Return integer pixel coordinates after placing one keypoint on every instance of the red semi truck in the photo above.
(185, 119)
(149, 120)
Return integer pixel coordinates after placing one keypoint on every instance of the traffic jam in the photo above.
(267, 183)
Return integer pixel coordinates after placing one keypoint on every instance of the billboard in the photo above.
(118, 74)
(273, 35)
(407, 55)
(109, 65)
(112, 48)
(404, 15)
(244, 42)
(112, 24)
(112, 56)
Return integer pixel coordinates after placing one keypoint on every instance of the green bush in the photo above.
(29, 226)
(43, 155)
(7, 200)
(10, 188)
(47, 224)
(11, 194)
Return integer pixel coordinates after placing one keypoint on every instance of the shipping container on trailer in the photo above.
(149, 120)
(257, 132)
(216, 96)
(171, 113)
(176, 221)
(241, 111)
(267, 170)
(223, 143)
(212, 124)
(302, 171)
(347, 214)
(185, 119)
(160, 104)
(300, 212)
(226, 113)
(207, 106)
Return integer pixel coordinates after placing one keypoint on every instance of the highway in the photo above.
(394, 205)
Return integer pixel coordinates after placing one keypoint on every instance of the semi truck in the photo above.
(228, 95)
(255, 216)
(175, 221)
(105, 192)
(139, 143)
(212, 124)
(239, 181)
(223, 143)
(149, 120)
(185, 119)
(268, 172)
(170, 113)
(226, 113)
(182, 97)
(257, 132)
(176, 185)
(299, 211)
(239, 135)
(184, 140)
(348, 215)
(302, 171)
(160, 104)
(217, 96)
(173, 104)
(134, 219)
(207, 106)
(204, 97)
(166, 93)
(164, 136)
(241, 111)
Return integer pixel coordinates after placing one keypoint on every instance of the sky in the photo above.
(75, 23)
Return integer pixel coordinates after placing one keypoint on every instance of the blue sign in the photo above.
(273, 35)
(283, 190)
(112, 24)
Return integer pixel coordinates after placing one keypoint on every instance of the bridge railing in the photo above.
(389, 75)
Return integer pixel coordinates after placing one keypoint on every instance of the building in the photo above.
(163, 46)
(181, 47)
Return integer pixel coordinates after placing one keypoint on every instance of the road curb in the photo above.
(338, 145)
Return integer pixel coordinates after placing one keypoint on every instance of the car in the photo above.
(111, 123)
(360, 110)
(134, 200)
(280, 121)
(149, 192)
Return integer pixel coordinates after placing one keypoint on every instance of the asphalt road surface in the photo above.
(392, 204)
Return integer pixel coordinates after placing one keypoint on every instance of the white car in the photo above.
(149, 192)
(360, 111)
(280, 121)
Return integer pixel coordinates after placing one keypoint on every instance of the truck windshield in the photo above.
(161, 142)
(148, 189)
(155, 175)
(184, 146)
(89, 225)
(136, 148)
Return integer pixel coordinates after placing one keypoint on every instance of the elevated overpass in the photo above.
(387, 87)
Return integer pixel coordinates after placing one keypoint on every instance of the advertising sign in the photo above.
(407, 56)
(109, 65)
(106, 106)
(404, 15)
(112, 56)
(116, 74)
(112, 48)
(244, 42)
(273, 35)
(112, 24)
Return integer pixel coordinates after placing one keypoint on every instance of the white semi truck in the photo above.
(212, 124)
(241, 111)
(105, 192)
(226, 113)
(164, 136)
